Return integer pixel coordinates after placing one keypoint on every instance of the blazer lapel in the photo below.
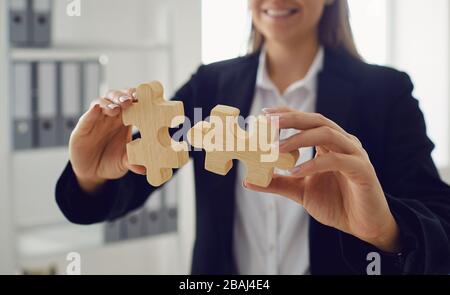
(237, 87)
(336, 90)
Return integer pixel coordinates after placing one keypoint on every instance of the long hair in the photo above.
(334, 30)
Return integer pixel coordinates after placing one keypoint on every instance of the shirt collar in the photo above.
(263, 80)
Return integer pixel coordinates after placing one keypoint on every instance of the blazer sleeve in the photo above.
(117, 197)
(417, 197)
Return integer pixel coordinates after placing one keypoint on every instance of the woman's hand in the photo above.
(339, 187)
(97, 145)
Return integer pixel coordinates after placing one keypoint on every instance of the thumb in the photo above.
(287, 186)
(87, 121)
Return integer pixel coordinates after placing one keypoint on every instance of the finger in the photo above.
(287, 186)
(120, 98)
(88, 120)
(321, 150)
(108, 107)
(304, 121)
(321, 136)
(356, 140)
(330, 162)
(137, 169)
(133, 93)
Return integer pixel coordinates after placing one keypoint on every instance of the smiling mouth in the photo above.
(279, 13)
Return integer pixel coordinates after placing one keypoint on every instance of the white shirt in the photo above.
(271, 233)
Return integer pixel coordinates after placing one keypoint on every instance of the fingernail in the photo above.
(295, 170)
(124, 98)
(244, 184)
(268, 110)
(134, 95)
(273, 117)
(112, 106)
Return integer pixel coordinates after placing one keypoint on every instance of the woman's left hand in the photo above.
(339, 187)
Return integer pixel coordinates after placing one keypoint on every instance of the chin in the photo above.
(283, 37)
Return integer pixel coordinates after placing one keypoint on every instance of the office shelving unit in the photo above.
(32, 227)
(7, 234)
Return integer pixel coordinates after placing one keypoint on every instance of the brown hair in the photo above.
(334, 30)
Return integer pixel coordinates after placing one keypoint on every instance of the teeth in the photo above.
(279, 12)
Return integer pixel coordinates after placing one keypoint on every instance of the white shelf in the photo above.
(83, 51)
(147, 255)
(41, 151)
(62, 238)
(52, 240)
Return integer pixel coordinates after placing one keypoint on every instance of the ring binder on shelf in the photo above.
(169, 210)
(19, 23)
(71, 98)
(134, 225)
(47, 105)
(113, 230)
(153, 216)
(41, 22)
(22, 94)
(91, 83)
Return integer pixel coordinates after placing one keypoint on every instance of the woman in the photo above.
(365, 176)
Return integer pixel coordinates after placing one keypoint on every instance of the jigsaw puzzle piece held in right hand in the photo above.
(223, 141)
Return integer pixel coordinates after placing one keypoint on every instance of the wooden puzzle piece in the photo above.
(155, 150)
(223, 141)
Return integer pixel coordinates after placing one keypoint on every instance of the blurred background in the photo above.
(57, 55)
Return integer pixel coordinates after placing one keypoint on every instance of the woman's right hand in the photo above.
(97, 146)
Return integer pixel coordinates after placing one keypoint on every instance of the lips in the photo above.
(280, 13)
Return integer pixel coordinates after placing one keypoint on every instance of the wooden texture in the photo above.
(223, 146)
(153, 116)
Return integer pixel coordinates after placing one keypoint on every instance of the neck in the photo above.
(287, 63)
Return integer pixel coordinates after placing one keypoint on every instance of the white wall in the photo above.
(413, 36)
(420, 46)
(370, 26)
(222, 38)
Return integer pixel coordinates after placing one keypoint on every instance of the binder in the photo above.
(113, 231)
(19, 22)
(153, 218)
(41, 22)
(134, 223)
(91, 83)
(169, 209)
(22, 105)
(47, 105)
(70, 96)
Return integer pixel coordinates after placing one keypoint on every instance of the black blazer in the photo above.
(374, 103)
